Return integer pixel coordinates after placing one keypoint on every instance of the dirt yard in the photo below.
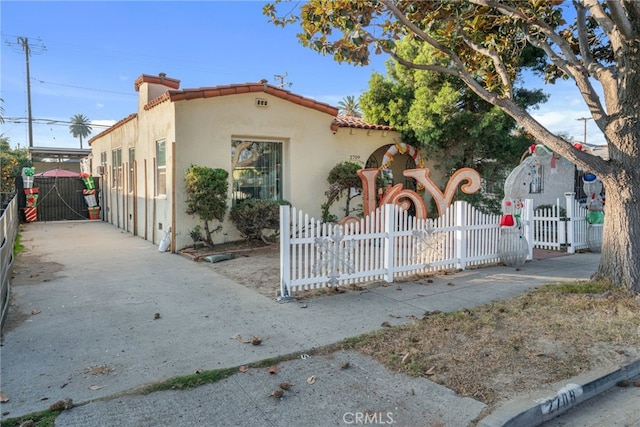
(257, 268)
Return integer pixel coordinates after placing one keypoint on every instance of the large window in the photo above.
(257, 170)
(161, 168)
(116, 167)
(132, 158)
(537, 179)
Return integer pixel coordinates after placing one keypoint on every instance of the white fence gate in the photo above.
(389, 243)
(553, 229)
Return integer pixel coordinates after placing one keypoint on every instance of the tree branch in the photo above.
(498, 63)
(568, 62)
(619, 19)
(427, 67)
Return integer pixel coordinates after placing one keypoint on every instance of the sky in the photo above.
(86, 56)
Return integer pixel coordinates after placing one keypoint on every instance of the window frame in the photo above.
(132, 159)
(161, 168)
(116, 168)
(259, 171)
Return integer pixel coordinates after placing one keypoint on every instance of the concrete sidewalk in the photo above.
(90, 331)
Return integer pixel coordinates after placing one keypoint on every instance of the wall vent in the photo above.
(261, 102)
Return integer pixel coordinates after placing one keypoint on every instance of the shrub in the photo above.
(251, 217)
(206, 190)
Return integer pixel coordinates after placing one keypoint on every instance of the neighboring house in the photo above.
(553, 176)
(274, 144)
(45, 158)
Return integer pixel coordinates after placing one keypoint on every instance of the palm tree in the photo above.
(349, 106)
(80, 127)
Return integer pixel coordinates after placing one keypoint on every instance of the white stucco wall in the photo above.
(205, 128)
(555, 184)
(200, 132)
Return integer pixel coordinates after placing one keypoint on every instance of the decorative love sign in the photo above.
(404, 198)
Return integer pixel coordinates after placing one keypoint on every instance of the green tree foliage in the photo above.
(253, 216)
(206, 190)
(11, 163)
(453, 125)
(80, 127)
(342, 178)
(349, 106)
(482, 43)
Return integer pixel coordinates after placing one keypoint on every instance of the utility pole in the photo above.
(23, 42)
(585, 119)
(282, 84)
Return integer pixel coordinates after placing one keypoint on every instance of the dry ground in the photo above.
(494, 352)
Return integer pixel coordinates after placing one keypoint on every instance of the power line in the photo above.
(585, 119)
(47, 121)
(29, 50)
(84, 88)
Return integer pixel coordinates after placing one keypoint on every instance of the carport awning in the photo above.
(58, 173)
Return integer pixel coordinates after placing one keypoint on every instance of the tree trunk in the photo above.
(207, 235)
(620, 258)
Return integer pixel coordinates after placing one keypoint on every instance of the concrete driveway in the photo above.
(98, 312)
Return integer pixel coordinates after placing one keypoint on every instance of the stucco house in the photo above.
(553, 176)
(274, 144)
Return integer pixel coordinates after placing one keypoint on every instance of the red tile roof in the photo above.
(343, 121)
(174, 94)
(235, 89)
(161, 79)
(113, 127)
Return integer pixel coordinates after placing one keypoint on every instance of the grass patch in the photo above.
(498, 350)
(207, 377)
(592, 287)
(17, 245)
(39, 419)
(190, 381)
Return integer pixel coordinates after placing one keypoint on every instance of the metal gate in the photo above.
(60, 198)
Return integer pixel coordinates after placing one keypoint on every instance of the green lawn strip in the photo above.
(40, 419)
(185, 382)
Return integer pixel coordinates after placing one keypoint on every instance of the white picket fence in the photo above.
(389, 243)
(551, 230)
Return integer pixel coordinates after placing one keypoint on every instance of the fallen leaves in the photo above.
(96, 387)
(255, 340)
(36, 311)
(244, 368)
(61, 405)
(273, 369)
(311, 379)
(3, 397)
(156, 316)
(285, 386)
(99, 370)
(277, 394)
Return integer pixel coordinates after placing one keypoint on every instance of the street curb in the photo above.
(521, 413)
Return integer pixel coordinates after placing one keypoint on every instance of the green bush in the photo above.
(251, 217)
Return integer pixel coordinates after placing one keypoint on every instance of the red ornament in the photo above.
(507, 221)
